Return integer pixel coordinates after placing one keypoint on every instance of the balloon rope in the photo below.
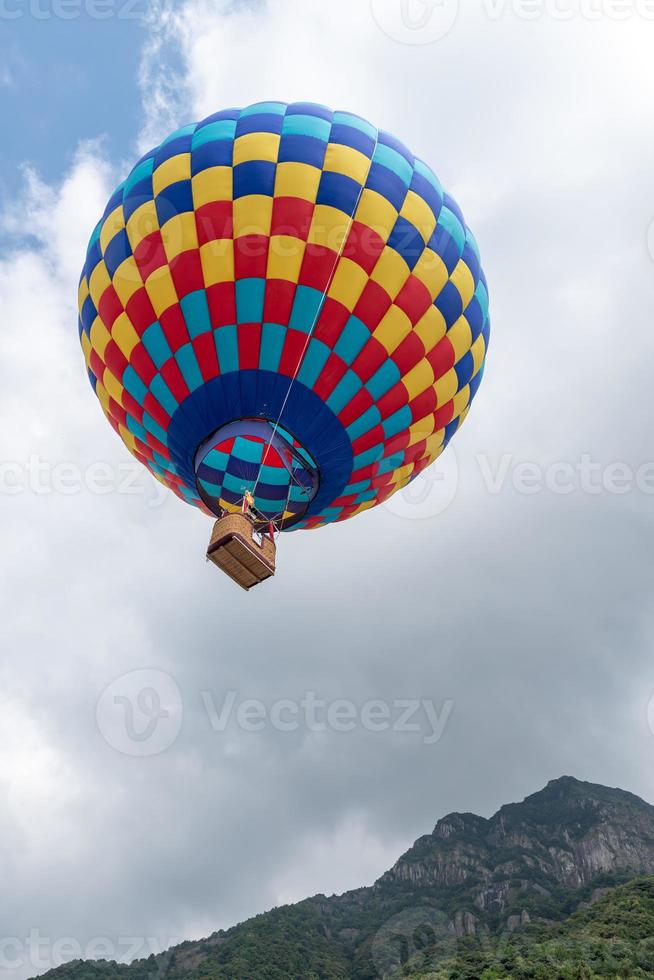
(278, 528)
(318, 312)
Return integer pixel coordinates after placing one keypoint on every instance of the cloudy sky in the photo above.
(176, 755)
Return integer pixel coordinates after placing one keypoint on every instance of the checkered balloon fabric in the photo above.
(283, 299)
(254, 456)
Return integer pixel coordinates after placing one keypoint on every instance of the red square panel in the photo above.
(373, 303)
(214, 222)
(186, 270)
(278, 302)
(251, 257)
(292, 217)
(221, 298)
(140, 311)
(249, 345)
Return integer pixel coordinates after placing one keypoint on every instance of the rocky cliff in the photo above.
(481, 894)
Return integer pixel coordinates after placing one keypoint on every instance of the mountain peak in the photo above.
(459, 823)
(560, 797)
(565, 835)
(568, 789)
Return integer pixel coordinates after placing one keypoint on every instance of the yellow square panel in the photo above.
(419, 379)
(393, 329)
(142, 223)
(86, 346)
(256, 146)
(478, 351)
(127, 279)
(125, 335)
(297, 180)
(402, 474)
(461, 401)
(391, 271)
(348, 161)
(421, 430)
(114, 388)
(431, 328)
(366, 505)
(98, 283)
(217, 261)
(179, 234)
(462, 279)
(431, 271)
(212, 184)
(376, 212)
(460, 336)
(113, 223)
(329, 227)
(348, 283)
(446, 387)
(253, 215)
(128, 438)
(100, 337)
(285, 256)
(82, 293)
(434, 445)
(170, 172)
(419, 214)
(161, 289)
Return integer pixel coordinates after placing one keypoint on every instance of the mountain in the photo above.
(556, 886)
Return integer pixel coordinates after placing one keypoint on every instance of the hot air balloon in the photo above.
(284, 318)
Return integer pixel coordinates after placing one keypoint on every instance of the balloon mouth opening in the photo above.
(257, 456)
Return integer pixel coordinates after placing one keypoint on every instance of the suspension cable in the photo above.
(318, 312)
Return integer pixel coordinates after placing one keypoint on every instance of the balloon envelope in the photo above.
(283, 299)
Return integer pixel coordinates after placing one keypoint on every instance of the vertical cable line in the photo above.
(317, 316)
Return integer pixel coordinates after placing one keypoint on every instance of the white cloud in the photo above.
(529, 612)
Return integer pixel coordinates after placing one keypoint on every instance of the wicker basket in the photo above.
(244, 554)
